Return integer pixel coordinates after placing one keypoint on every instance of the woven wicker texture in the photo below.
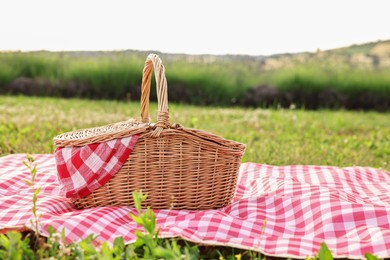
(176, 167)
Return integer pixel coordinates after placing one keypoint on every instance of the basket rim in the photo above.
(99, 134)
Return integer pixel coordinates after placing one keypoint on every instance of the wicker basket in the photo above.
(176, 167)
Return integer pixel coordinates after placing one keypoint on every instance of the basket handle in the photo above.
(154, 61)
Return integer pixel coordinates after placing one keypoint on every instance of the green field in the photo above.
(276, 137)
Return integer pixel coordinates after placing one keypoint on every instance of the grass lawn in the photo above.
(276, 137)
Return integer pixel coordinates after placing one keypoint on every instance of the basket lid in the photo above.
(101, 134)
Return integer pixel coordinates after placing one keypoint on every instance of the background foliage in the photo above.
(356, 77)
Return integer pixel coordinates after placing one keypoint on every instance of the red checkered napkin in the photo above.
(82, 170)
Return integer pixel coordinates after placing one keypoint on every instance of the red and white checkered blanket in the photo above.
(285, 211)
(82, 170)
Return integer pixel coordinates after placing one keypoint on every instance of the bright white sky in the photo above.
(260, 27)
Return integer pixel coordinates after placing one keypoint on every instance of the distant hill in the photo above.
(380, 48)
(371, 54)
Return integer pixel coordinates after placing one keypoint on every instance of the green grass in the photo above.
(276, 137)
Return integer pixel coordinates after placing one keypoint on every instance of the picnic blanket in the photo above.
(285, 211)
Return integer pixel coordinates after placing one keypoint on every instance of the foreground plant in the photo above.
(31, 183)
(13, 246)
(148, 241)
